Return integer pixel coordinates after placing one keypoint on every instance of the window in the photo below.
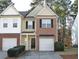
(30, 24)
(46, 23)
(15, 25)
(5, 25)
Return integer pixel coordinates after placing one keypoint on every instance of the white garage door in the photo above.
(46, 44)
(9, 43)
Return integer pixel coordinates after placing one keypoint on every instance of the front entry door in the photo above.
(32, 43)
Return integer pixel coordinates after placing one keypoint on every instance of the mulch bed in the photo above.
(70, 56)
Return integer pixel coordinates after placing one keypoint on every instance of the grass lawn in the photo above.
(70, 56)
(69, 53)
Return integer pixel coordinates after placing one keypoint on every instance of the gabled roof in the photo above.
(40, 10)
(10, 10)
(34, 12)
(46, 11)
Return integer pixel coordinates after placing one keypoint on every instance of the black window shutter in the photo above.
(26, 24)
(51, 23)
(33, 24)
(40, 23)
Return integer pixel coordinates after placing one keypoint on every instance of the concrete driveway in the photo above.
(3, 55)
(40, 55)
(34, 55)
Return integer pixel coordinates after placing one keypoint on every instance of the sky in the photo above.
(23, 5)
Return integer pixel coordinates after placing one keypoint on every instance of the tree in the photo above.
(43, 0)
(61, 8)
(74, 7)
(4, 4)
(35, 2)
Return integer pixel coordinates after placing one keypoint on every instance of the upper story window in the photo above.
(46, 23)
(5, 25)
(30, 24)
(14, 25)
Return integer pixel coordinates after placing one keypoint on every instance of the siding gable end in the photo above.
(10, 10)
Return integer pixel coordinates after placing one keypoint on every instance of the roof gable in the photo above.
(46, 11)
(10, 10)
(35, 11)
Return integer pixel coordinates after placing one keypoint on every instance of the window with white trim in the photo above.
(14, 25)
(46, 23)
(30, 26)
(5, 25)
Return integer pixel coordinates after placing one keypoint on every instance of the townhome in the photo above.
(10, 28)
(28, 32)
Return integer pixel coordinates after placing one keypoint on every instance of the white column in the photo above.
(26, 42)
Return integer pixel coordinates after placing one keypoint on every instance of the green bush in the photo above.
(15, 51)
(75, 46)
(59, 46)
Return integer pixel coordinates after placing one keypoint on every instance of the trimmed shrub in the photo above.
(75, 46)
(59, 46)
(15, 51)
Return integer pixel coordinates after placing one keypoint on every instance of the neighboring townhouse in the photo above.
(39, 29)
(75, 31)
(10, 28)
(28, 29)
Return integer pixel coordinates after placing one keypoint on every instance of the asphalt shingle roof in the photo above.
(23, 13)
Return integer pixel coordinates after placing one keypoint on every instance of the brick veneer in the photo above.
(45, 31)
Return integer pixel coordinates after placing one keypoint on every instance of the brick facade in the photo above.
(45, 31)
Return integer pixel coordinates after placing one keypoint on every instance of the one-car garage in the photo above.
(8, 43)
(46, 43)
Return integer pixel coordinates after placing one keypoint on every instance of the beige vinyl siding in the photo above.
(24, 25)
(35, 11)
(26, 40)
(23, 39)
